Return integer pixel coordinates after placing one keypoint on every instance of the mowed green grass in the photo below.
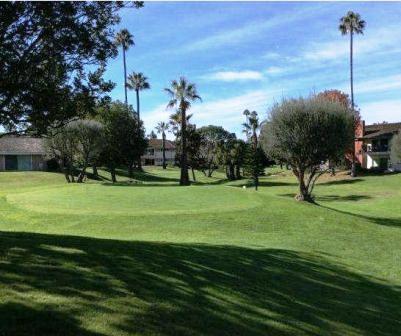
(146, 257)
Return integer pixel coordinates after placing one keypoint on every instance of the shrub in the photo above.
(306, 133)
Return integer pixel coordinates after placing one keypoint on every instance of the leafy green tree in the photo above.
(306, 133)
(161, 128)
(52, 58)
(352, 24)
(61, 144)
(89, 134)
(211, 138)
(395, 148)
(231, 154)
(125, 39)
(76, 145)
(122, 144)
(182, 94)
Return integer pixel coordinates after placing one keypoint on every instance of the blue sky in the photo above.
(249, 55)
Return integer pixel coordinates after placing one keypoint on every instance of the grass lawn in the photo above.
(147, 257)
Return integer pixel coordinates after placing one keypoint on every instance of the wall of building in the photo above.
(38, 162)
(157, 156)
(31, 162)
(2, 163)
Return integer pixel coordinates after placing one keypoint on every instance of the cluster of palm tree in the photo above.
(183, 93)
(136, 81)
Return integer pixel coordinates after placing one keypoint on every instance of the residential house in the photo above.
(372, 146)
(22, 153)
(154, 153)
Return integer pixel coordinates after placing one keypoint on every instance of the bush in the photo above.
(306, 133)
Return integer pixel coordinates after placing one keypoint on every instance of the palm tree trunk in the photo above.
(351, 63)
(125, 78)
(137, 105)
(164, 149)
(351, 45)
(139, 126)
(184, 178)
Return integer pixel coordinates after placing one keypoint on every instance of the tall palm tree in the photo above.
(182, 95)
(352, 24)
(125, 39)
(138, 82)
(161, 128)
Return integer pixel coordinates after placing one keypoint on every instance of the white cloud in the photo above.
(224, 112)
(380, 84)
(230, 76)
(383, 40)
(385, 110)
(275, 70)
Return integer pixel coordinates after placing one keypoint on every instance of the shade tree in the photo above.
(52, 59)
(211, 138)
(76, 145)
(122, 142)
(306, 133)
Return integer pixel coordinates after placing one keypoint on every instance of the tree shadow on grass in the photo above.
(394, 222)
(186, 289)
(339, 182)
(22, 320)
(344, 198)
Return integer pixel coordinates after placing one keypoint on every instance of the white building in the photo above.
(154, 153)
(373, 146)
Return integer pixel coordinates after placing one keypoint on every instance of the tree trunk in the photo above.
(113, 174)
(227, 172)
(351, 63)
(231, 172)
(193, 174)
(71, 172)
(164, 150)
(81, 175)
(139, 127)
(184, 178)
(130, 170)
(256, 182)
(303, 189)
(94, 169)
(238, 172)
(125, 79)
(65, 172)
